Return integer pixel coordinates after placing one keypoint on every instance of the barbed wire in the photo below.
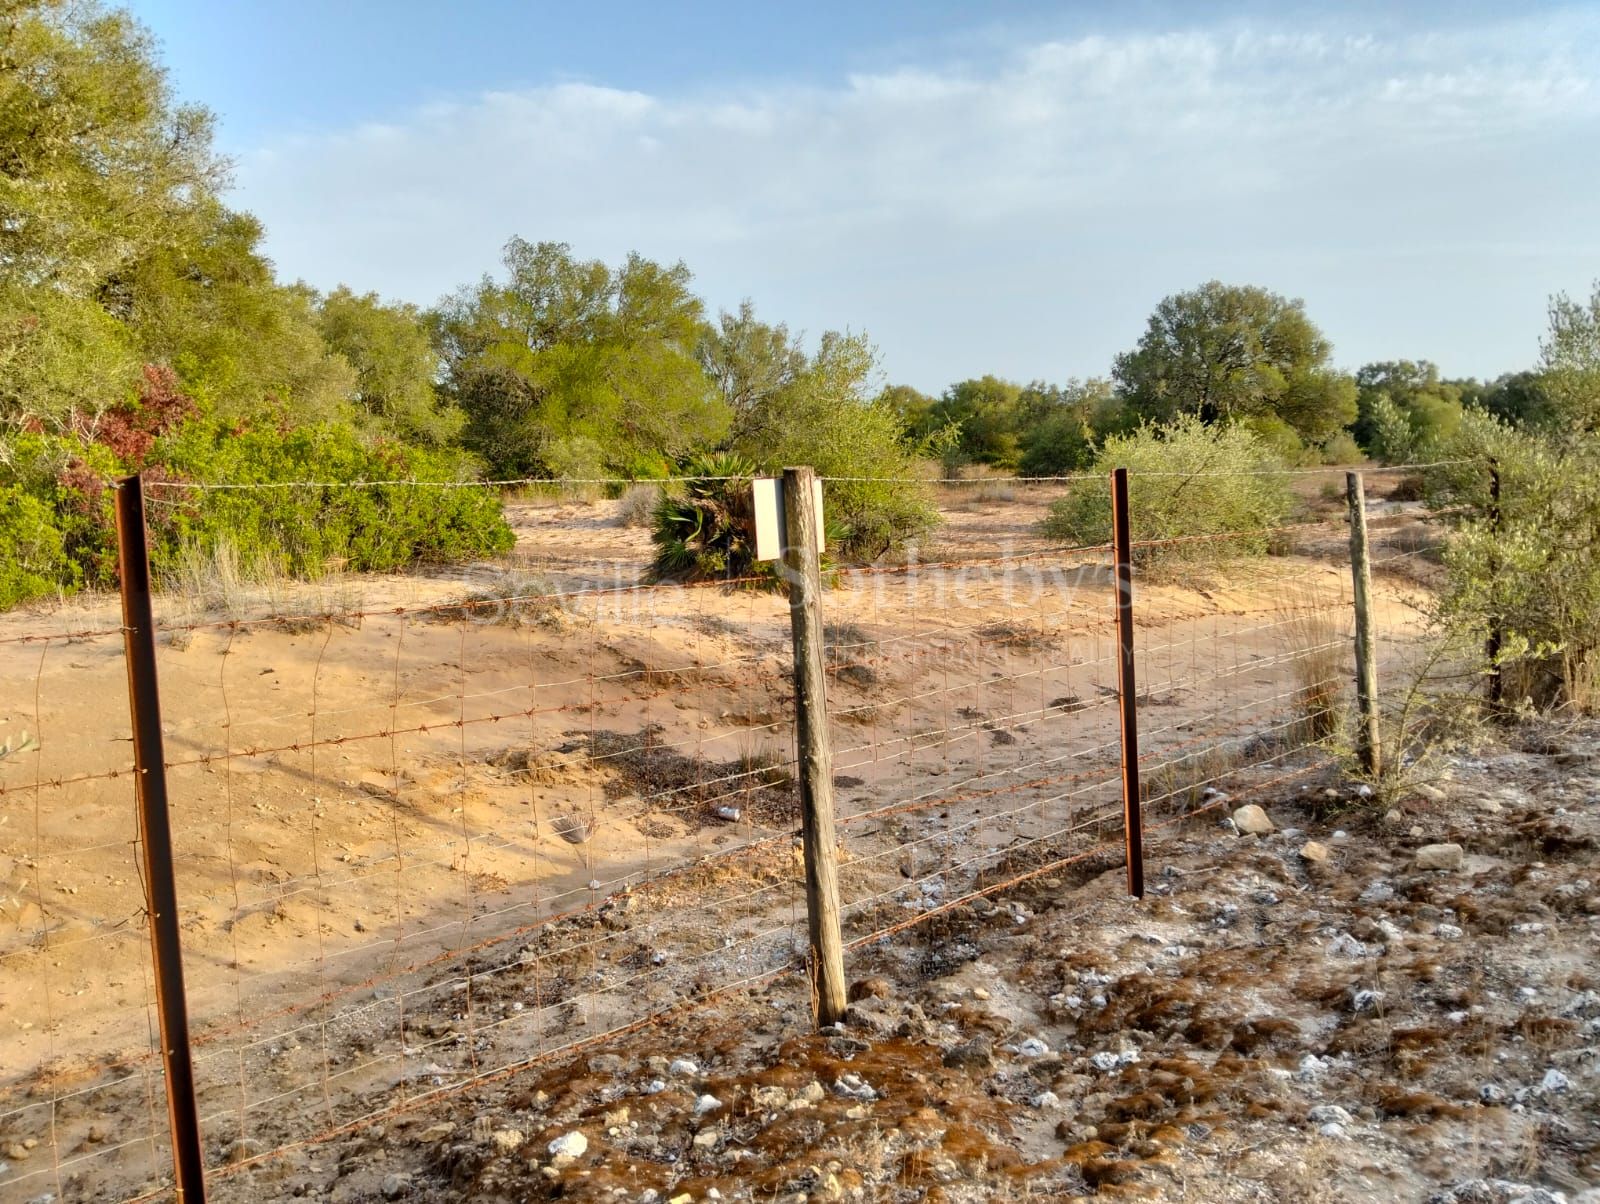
(623, 482)
(974, 725)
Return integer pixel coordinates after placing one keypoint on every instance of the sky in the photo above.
(1008, 187)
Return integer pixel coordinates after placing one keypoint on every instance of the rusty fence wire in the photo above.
(431, 829)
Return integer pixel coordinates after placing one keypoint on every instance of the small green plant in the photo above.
(1341, 448)
(13, 745)
(1197, 495)
(34, 563)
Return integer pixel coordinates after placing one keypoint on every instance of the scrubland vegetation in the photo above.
(143, 329)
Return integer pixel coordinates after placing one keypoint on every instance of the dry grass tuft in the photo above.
(1315, 628)
(1180, 784)
(216, 583)
(1016, 636)
(637, 504)
(513, 596)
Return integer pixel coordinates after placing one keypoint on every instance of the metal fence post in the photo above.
(1127, 691)
(1368, 741)
(802, 565)
(155, 841)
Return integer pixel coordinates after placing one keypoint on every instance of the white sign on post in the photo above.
(768, 498)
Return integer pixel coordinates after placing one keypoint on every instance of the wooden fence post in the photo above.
(155, 841)
(1127, 690)
(1369, 748)
(802, 565)
(1496, 639)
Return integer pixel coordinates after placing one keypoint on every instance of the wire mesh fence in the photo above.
(430, 829)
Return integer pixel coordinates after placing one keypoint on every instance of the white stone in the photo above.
(1376, 892)
(683, 1067)
(1439, 857)
(855, 1087)
(1324, 1113)
(1553, 1082)
(1046, 1099)
(1251, 820)
(1345, 945)
(1107, 1061)
(569, 1146)
(1033, 1048)
(706, 1103)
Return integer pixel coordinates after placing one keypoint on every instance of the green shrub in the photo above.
(1341, 449)
(34, 564)
(825, 419)
(1277, 436)
(57, 528)
(1395, 439)
(1058, 445)
(310, 521)
(1185, 480)
(1528, 566)
(68, 478)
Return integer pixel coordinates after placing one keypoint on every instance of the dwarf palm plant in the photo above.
(704, 529)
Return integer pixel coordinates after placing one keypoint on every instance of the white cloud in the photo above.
(1422, 191)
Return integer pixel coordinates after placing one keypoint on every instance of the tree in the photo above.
(394, 362)
(748, 361)
(101, 167)
(141, 327)
(1517, 398)
(986, 412)
(1569, 364)
(1060, 426)
(1404, 409)
(243, 345)
(909, 403)
(568, 355)
(1227, 352)
(828, 418)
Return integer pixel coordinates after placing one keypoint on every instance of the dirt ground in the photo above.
(1261, 1027)
(378, 816)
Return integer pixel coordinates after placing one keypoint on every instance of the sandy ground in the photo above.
(357, 800)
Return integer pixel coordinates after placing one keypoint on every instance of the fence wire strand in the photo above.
(429, 841)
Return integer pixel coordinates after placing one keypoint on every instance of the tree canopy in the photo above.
(1570, 364)
(1228, 352)
(572, 368)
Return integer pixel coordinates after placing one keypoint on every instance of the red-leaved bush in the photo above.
(130, 431)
